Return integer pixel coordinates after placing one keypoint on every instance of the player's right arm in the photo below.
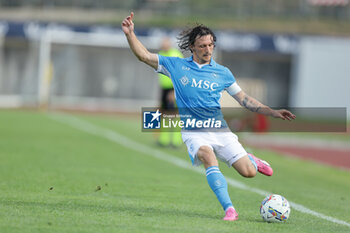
(136, 46)
(255, 106)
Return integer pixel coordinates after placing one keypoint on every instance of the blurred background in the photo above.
(73, 55)
(101, 173)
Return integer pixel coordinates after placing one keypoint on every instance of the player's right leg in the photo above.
(217, 181)
(201, 152)
(207, 156)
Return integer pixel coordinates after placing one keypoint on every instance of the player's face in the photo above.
(203, 49)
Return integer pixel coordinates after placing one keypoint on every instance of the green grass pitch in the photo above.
(56, 178)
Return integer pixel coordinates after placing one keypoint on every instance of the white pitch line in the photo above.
(141, 148)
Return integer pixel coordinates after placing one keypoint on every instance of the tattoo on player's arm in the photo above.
(249, 104)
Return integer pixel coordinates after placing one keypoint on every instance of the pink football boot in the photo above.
(230, 215)
(263, 166)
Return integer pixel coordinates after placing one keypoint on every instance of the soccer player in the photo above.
(198, 82)
(168, 105)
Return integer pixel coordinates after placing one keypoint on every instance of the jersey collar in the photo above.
(211, 63)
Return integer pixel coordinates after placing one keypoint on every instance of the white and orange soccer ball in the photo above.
(275, 208)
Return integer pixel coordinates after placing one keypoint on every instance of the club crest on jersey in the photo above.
(184, 80)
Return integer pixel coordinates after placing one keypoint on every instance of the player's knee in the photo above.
(206, 155)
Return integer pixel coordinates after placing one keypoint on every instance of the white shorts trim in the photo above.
(224, 144)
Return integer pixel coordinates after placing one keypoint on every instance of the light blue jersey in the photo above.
(197, 89)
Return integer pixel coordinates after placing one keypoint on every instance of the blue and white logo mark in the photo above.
(151, 120)
(184, 80)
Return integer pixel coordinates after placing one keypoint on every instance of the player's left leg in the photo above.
(245, 167)
(248, 165)
(261, 165)
(233, 153)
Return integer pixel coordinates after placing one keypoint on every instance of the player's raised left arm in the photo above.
(255, 106)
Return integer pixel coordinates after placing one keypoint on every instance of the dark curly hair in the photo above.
(189, 36)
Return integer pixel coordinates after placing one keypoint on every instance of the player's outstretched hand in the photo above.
(284, 114)
(127, 24)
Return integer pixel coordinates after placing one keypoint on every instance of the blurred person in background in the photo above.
(208, 80)
(167, 101)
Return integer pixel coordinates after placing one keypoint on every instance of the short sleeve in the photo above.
(166, 65)
(230, 79)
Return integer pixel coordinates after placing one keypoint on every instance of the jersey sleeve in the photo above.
(166, 65)
(231, 85)
(230, 79)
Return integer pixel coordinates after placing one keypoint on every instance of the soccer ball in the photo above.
(275, 208)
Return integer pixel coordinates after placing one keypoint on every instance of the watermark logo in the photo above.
(237, 119)
(152, 120)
